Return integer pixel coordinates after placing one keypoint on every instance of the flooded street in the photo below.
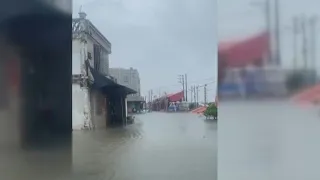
(268, 140)
(158, 146)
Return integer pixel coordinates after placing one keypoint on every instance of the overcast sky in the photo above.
(161, 38)
(164, 38)
(241, 18)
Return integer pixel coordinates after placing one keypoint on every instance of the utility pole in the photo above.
(186, 82)
(191, 90)
(194, 94)
(197, 91)
(295, 45)
(277, 33)
(313, 41)
(268, 29)
(205, 93)
(266, 13)
(151, 93)
(181, 80)
(304, 41)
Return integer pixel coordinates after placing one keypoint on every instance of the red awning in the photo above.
(240, 53)
(176, 97)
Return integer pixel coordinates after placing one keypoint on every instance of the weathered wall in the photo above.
(77, 107)
(99, 110)
(76, 57)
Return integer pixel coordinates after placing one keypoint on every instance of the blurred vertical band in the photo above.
(35, 84)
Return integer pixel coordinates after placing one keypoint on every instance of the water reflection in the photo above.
(158, 146)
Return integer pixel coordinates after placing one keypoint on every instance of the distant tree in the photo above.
(211, 111)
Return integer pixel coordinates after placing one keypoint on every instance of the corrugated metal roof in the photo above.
(176, 96)
(240, 53)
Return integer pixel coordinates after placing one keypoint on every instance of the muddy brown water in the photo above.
(157, 146)
(270, 139)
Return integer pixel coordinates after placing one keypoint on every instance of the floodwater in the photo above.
(268, 140)
(157, 146)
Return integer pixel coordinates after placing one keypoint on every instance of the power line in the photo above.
(182, 82)
(213, 80)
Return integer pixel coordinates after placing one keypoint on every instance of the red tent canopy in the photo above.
(176, 96)
(243, 52)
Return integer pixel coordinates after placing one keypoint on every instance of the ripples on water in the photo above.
(268, 140)
(158, 146)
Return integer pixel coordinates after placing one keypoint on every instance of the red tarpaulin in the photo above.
(176, 97)
(240, 53)
(310, 95)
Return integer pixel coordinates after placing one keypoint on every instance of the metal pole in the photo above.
(295, 48)
(191, 90)
(304, 42)
(265, 5)
(197, 91)
(194, 94)
(186, 89)
(205, 94)
(268, 29)
(181, 80)
(313, 41)
(183, 87)
(277, 33)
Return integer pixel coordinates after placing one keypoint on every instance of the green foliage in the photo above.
(211, 111)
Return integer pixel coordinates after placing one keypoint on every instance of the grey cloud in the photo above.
(161, 38)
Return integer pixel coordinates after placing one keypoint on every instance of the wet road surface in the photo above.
(158, 146)
(268, 140)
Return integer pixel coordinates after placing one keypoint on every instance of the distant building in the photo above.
(131, 79)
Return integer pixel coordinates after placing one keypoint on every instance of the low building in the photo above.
(131, 79)
(164, 102)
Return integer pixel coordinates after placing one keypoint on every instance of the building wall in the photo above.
(97, 99)
(76, 57)
(98, 108)
(77, 107)
(127, 77)
(98, 116)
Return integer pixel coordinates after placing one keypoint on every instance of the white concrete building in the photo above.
(89, 106)
(98, 100)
